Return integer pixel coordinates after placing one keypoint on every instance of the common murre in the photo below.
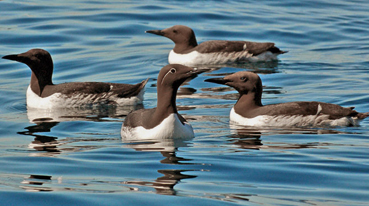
(43, 94)
(163, 121)
(187, 52)
(249, 110)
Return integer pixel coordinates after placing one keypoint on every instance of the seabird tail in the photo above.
(276, 50)
(143, 83)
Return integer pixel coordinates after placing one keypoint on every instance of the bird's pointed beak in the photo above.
(157, 32)
(191, 73)
(193, 70)
(22, 58)
(14, 57)
(218, 80)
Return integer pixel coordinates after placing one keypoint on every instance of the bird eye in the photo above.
(174, 31)
(243, 79)
(173, 70)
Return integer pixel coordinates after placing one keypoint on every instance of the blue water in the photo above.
(81, 159)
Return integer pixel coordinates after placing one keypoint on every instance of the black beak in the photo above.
(157, 32)
(14, 57)
(218, 80)
(192, 73)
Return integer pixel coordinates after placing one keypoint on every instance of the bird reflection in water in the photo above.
(46, 119)
(168, 148)
(250, 137)
(44, 143)
(163, 185)
(93, 113)
(35, 183)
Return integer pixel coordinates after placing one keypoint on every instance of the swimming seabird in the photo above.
(187, 52)
(249, 110)
(164, 121)
(42, 93)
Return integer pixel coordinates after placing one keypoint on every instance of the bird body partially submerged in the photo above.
(43, 93)
(186, 50)
(249, 110)
(164, 121)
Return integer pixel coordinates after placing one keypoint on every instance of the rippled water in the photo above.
(81, 160)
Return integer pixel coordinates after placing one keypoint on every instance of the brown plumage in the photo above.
(185, 42)
(169, 79)
(249, 104)
(41, 64)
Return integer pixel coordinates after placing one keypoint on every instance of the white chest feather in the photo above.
(59, 100)
(320, 120)
(195, 58)
(170, 127)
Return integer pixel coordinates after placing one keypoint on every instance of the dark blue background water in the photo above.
(83, 161)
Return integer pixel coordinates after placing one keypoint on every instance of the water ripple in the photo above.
(78, 157)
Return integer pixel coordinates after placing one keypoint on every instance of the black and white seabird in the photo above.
(43, 94)
(249, 111)
(163, 121)
(187, 52)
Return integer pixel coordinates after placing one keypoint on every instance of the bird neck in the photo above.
(166, 104)
(37, 85)
(245, 103)
(185, 46)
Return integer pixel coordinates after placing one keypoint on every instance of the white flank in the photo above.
(59, 100)
(291, 121)
(195, 58)
(130, 101)
(170, 127)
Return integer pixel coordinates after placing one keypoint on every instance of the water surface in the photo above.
(80, 159)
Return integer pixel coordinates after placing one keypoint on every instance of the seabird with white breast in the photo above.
(164, 121)
(43, 94)
(249, 111)
(187, 52)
